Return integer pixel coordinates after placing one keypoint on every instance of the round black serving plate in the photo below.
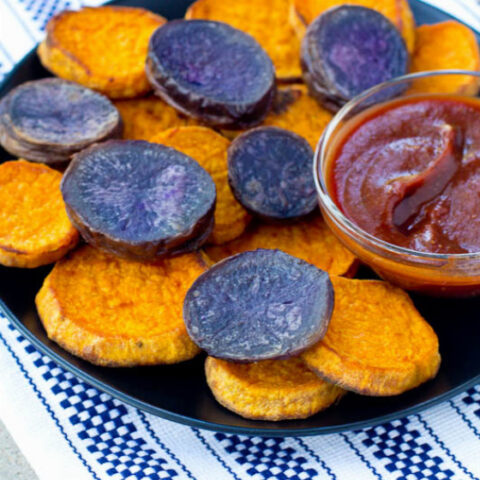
(180, 393)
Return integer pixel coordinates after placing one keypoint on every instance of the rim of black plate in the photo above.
(218, 427)
(208, 425)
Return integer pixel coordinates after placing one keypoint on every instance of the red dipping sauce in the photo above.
(408, 173)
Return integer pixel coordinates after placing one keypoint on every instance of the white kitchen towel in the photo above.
(68, 430)
(71, 431)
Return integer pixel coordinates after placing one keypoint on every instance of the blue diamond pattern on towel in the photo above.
(266, 458)
(102, 423)
(472, 398)
(40, 11)
(400, 443)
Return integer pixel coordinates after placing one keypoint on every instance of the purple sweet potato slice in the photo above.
(50, 119)
(349, 49)
(270, 173)
(258, 305)
(211, 71)
(138, 199)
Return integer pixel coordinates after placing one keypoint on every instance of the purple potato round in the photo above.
(139, 200)
(48, 120)
(270, 172)
(259, 305)
(211, 71)
(349, 49)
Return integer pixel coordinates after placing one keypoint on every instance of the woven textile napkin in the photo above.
(70, 431)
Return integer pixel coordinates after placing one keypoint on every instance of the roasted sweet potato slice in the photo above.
(34, 227)
(116, 312)
(50, 119)
(349, 49)
(258, 305)
(446, 45)
(270, 173)
(269, 390)
(145, 117)
(138, 199)
(377, 343)
(267, 21)
(103, 48)
(311, 240)
(304, 12)
(295, 110)
(209, 149)
(211, 71)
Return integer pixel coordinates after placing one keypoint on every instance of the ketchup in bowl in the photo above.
(408, 172)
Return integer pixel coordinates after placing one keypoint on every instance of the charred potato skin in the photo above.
(63, 63)
(260, 401)
(207, 110)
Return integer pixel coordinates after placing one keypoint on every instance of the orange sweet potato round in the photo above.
(295, 110)
(311, 240)
(267, 21)
(304, 12)
(377, 343)
(145, 117)
(34, 227)
(209, 149)
(446, 45)
(103, 48)
(116, 312)
(270, 389)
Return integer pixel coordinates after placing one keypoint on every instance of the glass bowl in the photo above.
(454, 275)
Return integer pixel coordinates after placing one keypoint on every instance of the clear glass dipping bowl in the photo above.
(454, 275)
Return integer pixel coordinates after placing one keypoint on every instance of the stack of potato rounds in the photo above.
(170, 219)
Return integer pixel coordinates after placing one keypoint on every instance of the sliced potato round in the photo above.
(270, 389)
(115, 312)
(34, 226)
(304, 12)
(209, 149)
(310, 240)
(295, 110)
(443, 46)
(146, 117)
(377, 342)
(267, 21)
(103, 48)
(259, 305)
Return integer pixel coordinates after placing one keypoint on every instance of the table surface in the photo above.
(13, 465)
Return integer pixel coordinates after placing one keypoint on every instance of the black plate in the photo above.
(180, 393)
